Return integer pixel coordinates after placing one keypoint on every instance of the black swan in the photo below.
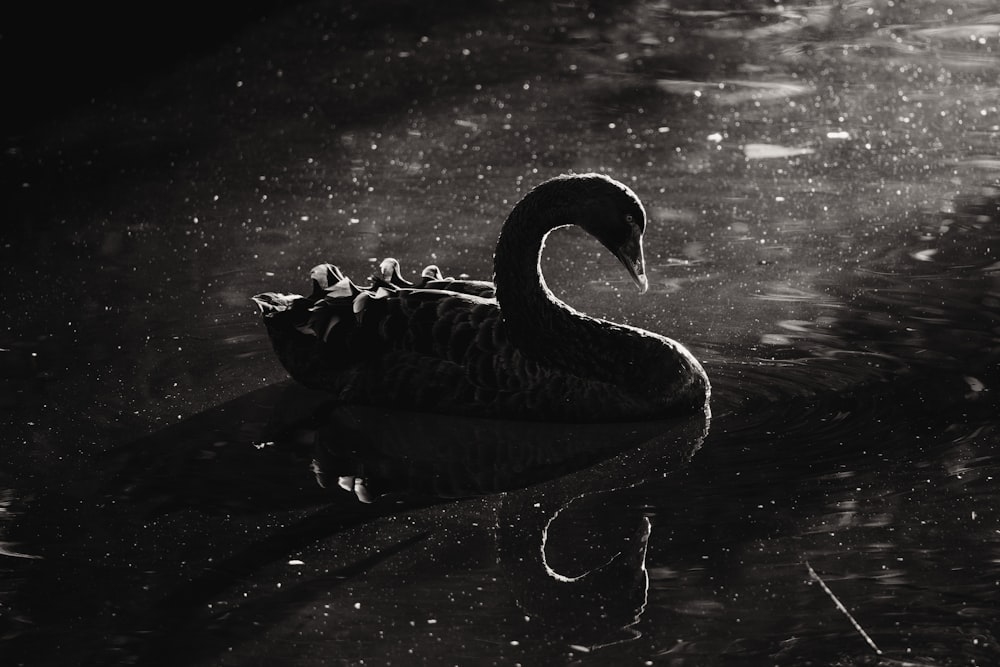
(523, 355)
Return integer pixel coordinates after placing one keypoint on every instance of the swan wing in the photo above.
(449, 352)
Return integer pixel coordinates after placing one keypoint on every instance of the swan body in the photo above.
(443, 347)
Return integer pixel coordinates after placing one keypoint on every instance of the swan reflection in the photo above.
(571, 549)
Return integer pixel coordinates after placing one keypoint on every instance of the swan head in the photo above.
(613, 214)
(629, 253)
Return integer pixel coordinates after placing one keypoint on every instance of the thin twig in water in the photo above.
(842, 608)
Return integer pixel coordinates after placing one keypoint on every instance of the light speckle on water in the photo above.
(822, 233)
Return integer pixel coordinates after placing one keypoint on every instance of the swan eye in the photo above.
(629, 219)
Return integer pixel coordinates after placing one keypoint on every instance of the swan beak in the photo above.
(630, 255)
(643, 283)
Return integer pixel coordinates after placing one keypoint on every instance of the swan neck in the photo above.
(517, 271)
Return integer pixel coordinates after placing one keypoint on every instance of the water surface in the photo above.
(821, 182)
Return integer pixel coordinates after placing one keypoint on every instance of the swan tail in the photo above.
(271, 303)
(318, 336)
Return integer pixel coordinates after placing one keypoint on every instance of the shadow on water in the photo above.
(191, 515)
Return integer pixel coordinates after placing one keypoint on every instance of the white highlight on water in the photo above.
(842, 608)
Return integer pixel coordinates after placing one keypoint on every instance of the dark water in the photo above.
(825, 229)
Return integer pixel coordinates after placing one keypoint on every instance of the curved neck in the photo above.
(538, 324)
(527, 305)
(646, 368)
